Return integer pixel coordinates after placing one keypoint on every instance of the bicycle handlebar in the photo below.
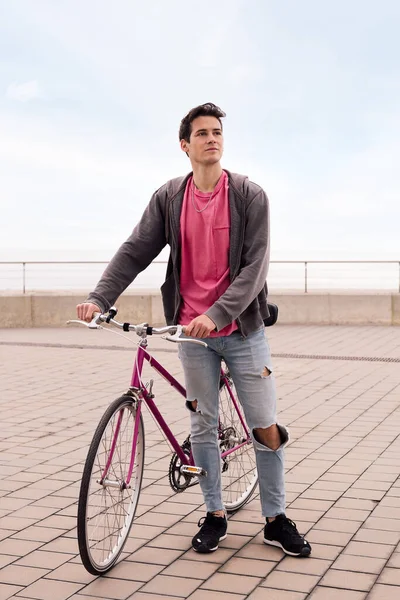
(141, 330)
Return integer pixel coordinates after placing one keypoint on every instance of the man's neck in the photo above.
(206, 178)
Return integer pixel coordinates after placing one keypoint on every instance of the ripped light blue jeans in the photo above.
(247, 360)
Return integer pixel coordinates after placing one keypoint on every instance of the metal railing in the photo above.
(306, 267)
(338, 262)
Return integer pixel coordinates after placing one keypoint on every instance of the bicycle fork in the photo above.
(122, 485)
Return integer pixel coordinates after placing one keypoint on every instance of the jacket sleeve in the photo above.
(253, 268)
(140, 249)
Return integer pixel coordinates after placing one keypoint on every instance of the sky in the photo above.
(92, 94)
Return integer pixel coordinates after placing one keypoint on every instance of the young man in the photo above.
(217, 225)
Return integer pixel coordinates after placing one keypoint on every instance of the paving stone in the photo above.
(39, 558)
(44, 589)
(233, 583)
(187, 568)
(262, 593)
(170, 586)
(137, 596)
(365, 549)
(349, 580)
(324, 593)
(20, 575)
(157, 556)
(72, 572)
(8, 591)
(359, 564)
(294, 582)
(211, 595)
(307, 567)
(394, 561)
(246, 566)
(18, 547)
(390, 576)
(384, 592)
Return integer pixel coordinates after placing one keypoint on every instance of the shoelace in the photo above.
(290, 526)
(203, 520)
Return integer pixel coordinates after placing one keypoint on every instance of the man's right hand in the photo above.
(85, 311)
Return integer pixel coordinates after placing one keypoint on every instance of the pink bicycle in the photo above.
(113, 470)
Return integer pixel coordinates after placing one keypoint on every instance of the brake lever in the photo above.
(92, 325)
(178, 340)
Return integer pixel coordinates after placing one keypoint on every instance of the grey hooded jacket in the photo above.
(245, 300)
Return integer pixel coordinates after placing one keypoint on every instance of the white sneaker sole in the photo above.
(279, 545)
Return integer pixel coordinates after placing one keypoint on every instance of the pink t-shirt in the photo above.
(204, 273)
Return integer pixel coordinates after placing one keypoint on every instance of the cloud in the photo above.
(24, 92)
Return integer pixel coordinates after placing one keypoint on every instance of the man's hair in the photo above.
(204, 110)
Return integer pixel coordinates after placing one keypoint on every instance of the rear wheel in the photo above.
(239, 470)
(106, 504)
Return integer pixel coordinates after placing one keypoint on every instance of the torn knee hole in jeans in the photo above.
(193, 406)
(271, 441)
(266, 372)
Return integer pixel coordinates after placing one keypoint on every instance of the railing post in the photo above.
(305, 277)
(23, 277)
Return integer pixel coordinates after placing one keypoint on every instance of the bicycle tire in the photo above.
(99, 551)
(239, 477)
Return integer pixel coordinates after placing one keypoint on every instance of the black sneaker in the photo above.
(212, 530)
(282, 532)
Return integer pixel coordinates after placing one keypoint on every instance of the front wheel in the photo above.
(107, 505)
(239, 470)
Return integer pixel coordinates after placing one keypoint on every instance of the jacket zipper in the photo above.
(176, 275)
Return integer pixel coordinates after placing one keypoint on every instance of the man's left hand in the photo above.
(200, 327)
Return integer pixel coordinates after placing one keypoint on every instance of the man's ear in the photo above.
(184, 146)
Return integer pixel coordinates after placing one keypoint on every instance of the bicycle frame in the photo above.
(142, 355)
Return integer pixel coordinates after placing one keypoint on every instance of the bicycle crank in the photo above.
(181, 476)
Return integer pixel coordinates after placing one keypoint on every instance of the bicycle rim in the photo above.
(105, 512)
(239, 470)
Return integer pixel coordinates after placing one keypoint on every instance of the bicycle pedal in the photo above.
(193, 471)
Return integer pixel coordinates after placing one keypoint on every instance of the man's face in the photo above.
(206, 141)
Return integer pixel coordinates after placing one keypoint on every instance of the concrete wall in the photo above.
(340, 308)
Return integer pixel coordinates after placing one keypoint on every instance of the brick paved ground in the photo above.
(342, 473)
